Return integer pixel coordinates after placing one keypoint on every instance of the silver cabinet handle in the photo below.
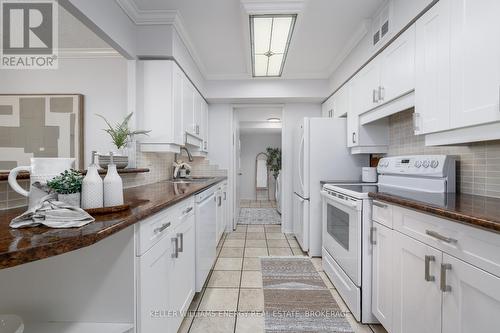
(428, 277)
(187, 210)
(380, 205)
(225, 196)
(353, 137)
(373, 241)
(181, 246)
(374, 96)
(444, 287)
(441, 237)
(220, 202)
(381, 93)
(163, 227)
(175, 240)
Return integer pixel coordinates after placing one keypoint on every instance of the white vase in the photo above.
(72, 199)
(113, 187)
(92, 187)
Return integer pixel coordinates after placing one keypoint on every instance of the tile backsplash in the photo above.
(159, 164)
(478, 169)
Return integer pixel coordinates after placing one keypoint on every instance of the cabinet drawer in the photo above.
(478, 247)
(152, 229)
(382, 213)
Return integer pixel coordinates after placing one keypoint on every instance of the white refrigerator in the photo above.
(320, 153)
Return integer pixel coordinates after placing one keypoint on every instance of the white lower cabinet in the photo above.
(472, 304)
(382, 305)
(416, 293)
(166, 270)
(429, 275)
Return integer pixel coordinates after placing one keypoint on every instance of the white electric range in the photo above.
(347, 225)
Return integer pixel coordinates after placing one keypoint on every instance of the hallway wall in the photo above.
(251, 145)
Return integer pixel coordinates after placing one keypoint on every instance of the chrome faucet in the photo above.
(190, 157)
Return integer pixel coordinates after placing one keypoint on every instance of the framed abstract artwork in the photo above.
(36, 125)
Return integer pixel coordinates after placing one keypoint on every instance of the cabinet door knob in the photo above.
(374, 96)
(353, 137)
(428, 277)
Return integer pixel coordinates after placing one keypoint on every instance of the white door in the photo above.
(183, 274)
(397, 67)
(299, 162)
(475, 62)
(300, 221)
(432, 62)
(187, 105)
(417, 296)
(472, 304)
(177, 126)
(383, 275)
(237, 170)
(365, 87)
(154, 290)
(220, 214)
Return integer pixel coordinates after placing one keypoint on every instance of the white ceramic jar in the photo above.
(113, 186)
(92, 187)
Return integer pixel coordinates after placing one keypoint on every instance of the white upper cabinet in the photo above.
(204, 125)
(365, 88)
(342, 101)
(170, 106)
(475, 62)
(397, 67)
(188, 98)
(327, 108)
(432, 87)
(159, 105)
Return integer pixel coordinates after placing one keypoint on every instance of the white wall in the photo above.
(292, 116)
(102, 81)
(403, 11)
(251, 145)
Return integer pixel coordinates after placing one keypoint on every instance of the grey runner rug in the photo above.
(297, 300)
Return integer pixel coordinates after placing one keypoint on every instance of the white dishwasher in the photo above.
(206, 234)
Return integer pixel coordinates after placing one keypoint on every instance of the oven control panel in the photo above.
(424, 165)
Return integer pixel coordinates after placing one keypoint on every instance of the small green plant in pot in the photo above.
(68, 186)
(121, 135)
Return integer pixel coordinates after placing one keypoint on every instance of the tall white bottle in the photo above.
(113, 186)
(92, 188)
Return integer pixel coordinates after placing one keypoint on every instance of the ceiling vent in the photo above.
(381, 24)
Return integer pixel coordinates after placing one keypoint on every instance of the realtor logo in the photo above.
(28, 34)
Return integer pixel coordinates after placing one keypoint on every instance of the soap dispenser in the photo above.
(92, 190)
(113, 186)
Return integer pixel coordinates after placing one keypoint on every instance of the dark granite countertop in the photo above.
(473, 210)
(19, 246)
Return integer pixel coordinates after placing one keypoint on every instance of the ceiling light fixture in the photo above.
(270, 38)
(274, 120)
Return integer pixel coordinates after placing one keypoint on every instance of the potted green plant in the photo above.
(68, 186)
(274, 161)
(121, 135)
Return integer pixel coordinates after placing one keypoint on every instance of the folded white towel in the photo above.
(261, 173)
(53, 214)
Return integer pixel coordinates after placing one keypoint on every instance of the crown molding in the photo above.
(351, 44)
(88, 53)
(256, 7)
(162, 17)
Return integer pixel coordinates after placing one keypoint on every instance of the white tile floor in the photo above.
(233, 300)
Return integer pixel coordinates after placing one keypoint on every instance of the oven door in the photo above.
(342, 217)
